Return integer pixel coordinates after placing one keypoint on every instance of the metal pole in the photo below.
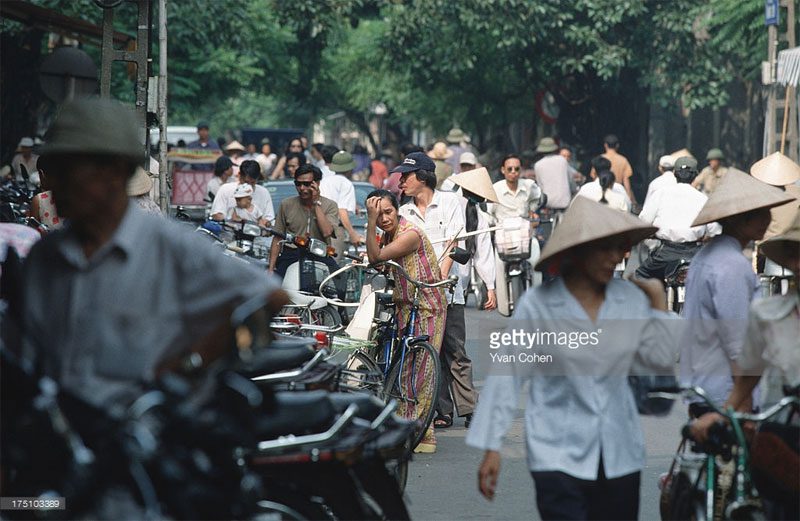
(163, 187)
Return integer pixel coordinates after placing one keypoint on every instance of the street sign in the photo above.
(771, 12)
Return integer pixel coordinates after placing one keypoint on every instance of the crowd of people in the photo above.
(114, 268)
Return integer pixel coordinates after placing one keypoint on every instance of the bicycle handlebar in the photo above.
(671, 392)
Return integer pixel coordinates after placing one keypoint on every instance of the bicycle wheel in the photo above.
(415, 393)
(361, 373)
(517, 290)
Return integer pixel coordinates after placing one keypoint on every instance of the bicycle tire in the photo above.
(392, 389)
(517, 286)
(361, 373)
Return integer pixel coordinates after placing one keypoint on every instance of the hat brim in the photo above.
(344, 168)
(546, 149)
(404, 169)
(775, 249)
(139, 184)
(634, 236)
(720, 215)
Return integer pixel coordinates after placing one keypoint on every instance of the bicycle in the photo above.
(714, 480)
(393, 352)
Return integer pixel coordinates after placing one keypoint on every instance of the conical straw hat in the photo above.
(680, 153)
(235, 145)
(737, 193)
(776, 169)
(478, 182)
(778, 247)
(440, 151)
(140, 183)
(586, 221)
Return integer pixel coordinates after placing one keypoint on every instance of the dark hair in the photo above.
(221, 164)
(510, 156)
(318, 147)
(606, 179)
(309, 169)
(410, 148)
(384, 194)
(429, 178)
(328, 151)
(600, 163)
(301, 161)
(611, 140)
(250, 169)
(685, 175)
(289, 144)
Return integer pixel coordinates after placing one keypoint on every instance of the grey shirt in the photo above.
(99, 326)
(719, 288)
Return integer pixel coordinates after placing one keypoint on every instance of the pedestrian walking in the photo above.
(584, 441)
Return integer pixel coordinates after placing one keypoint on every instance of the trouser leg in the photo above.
(560, 496)
(461, 387)
(614, 499)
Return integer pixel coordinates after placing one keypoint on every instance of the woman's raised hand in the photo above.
(373, 208)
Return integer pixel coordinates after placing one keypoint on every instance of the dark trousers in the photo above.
(664, 259)
(561, 496)
(456, 367)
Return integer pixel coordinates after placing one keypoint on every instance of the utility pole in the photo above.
(781, 127)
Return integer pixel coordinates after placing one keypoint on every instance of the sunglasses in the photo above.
(513, 168)
(303, 183)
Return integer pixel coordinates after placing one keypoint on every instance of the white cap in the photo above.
(243, 190)
(25, 142)
(666, 162)
(467, 158)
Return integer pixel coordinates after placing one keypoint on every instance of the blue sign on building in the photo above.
(771, 12)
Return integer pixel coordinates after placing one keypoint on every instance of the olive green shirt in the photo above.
(297, 219)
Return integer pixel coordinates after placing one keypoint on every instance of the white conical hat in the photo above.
(140, 183)
(778, 247)
(478, 182)
(586, 221)
(776, 169)
(234, 145)
(680, 153)
(737, 193)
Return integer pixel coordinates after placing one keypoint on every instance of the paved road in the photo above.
(443, 486)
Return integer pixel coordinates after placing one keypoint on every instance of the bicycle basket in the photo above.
(513, 240)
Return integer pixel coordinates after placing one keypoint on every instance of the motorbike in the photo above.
(15, 201)
(675, 284)
(303, 278)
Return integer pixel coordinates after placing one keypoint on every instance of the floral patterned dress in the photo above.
(421, 265)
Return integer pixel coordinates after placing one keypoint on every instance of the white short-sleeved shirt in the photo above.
(224, 201)
(340, 190)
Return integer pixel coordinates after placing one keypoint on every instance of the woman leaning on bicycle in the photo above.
(407, 245)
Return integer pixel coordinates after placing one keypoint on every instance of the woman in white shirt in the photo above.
(604, 189)
(584, 441)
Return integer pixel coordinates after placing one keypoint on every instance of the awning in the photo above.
(789, 67)
(52, 21)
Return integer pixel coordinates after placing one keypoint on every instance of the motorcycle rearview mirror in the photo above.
(460, 255)
(378, 282)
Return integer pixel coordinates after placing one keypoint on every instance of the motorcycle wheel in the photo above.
(327, 316)
(393, 390)
(480, 295)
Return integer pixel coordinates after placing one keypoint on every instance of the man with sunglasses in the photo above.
(308, 214)
(517, 197)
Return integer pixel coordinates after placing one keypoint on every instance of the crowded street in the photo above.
(393, 260)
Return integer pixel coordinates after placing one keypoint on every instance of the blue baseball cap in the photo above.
(415, 161)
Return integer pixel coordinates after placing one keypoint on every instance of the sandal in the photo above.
(443, 421)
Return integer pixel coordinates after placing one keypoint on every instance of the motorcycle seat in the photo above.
(301, 299)
(385, 298)
(270, 360)
(297, 413)
(369, 407)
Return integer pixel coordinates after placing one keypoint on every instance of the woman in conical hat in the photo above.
(582, 423)
(771, 347)
(721, 283)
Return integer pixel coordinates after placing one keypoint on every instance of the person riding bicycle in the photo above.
(409, 246)
(770, 348)
(672, 209)
(721, 284)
